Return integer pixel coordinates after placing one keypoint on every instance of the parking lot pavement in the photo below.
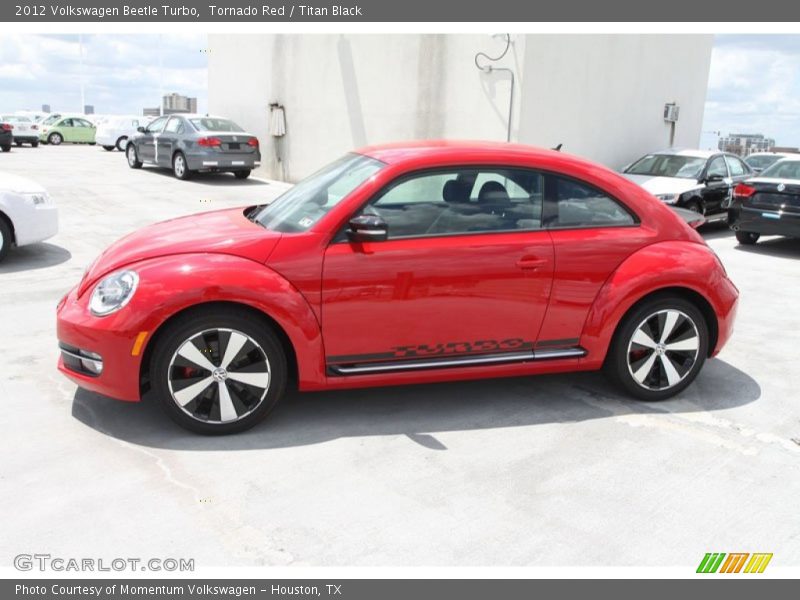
(557, 470)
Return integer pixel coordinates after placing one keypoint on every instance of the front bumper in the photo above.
(111, 338)
(40, 222)
(765, 222)
(223, 161)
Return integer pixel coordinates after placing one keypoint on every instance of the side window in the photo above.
(65, 123)
(736, 166)
(172, 126)
(157, 125)
(461, 201)
(717, 168)
(82, 123)
(578, 204)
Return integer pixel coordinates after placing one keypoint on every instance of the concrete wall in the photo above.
(602, 96)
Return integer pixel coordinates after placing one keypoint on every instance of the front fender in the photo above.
(171, 284)
(672, 264)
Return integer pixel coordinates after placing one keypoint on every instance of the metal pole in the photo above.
(160, 79)
(83, 95)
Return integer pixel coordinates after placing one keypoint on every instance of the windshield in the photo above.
(15, 119)
(311, 199)
(784, 169)
(51, 119)
(212, 124)
(668, 165)
(762, 161)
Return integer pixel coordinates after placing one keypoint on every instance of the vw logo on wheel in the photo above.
(781, 187)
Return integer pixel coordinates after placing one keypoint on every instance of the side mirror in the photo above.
(367, 228)
(141, 129)
(714, 178)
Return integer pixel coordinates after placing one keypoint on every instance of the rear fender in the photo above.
(676, 265)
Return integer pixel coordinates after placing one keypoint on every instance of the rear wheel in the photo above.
(35, 144)
(179, 166)
(659, 348)
(55, 139)
(218, 372)
(19, 144)
(6, 236)
(242, 173)
(747, 238)
(6, 148)
(109, 148)
(133, 159)
(695, 206)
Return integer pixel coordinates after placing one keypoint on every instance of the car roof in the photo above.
(400, 152)
(774, 154)
(689, 152)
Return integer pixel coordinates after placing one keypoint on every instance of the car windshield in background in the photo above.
(51, 119)
(668, 165)
(311, 199)
(212, 124)
(785, 169)
(763, 161)
(14, 119)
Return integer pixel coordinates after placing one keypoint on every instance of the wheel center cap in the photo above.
(219, 374)
(660, 349)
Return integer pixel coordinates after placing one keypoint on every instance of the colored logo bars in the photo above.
(719, 562)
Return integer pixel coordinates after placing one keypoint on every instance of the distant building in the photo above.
(88, 109)
(745, 144)
(45, 108)
(789, 149)
(151, 112)
(176, 103)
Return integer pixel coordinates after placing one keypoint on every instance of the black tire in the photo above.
(6, 148)
(55, 139)
(696, 205)
(108, 148)
(6, 238)
(747, 238)
(92, 143)
(132, 157)
(628, 358)
(121, 143)
(35, 144)
(242, 173)
(171, 374)
(19, 144)
(180, 168)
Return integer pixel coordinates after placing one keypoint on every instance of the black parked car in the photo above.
(701, 181)
(6, 136)
(768, 204)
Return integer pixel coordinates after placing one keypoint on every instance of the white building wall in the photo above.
(603, 96)
(341, 92)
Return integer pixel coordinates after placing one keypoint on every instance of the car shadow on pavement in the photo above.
(211, 178)
(778, 246)
(418, 411)
(35, 256)
(715, 231)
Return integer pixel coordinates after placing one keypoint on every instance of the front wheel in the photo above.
(747, 238)
(133, 159)
(218, 372)
(242, 173)
(5, 239)
(55, 139)
(121, 143)
(180, 168)
(659, 348)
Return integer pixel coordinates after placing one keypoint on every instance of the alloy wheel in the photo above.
(219, 376)
(180, 166)
(131, 156)
(663, 349)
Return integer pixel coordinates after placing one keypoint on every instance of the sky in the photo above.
(121, 72)
(754, 80)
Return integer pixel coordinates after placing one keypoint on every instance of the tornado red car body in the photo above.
(404, 298)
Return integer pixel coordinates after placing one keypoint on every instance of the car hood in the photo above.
(19, 185)
(663, 185)
(218, 232)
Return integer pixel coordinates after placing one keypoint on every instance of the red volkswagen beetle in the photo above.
(399, 264)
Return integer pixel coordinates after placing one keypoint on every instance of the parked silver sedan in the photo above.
(188, 143)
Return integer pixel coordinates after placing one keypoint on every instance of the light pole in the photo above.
(83, 94)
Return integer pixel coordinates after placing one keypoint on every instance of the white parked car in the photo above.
(27, 213)
(761, 160)
(114, 131)
(25, 130)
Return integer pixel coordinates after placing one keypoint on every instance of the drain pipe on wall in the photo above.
(488, 69)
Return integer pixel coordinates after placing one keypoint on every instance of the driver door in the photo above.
(465, 272)
(147, 143)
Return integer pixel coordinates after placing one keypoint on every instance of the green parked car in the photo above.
(68, 129)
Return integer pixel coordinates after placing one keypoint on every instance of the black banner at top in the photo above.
(354, 11)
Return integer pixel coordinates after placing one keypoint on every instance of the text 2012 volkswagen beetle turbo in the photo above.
(398, 264)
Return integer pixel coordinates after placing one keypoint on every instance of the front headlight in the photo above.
(37, 199)
(668, 198)
(113, 292)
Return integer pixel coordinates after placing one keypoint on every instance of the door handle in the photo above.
(531, 262)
